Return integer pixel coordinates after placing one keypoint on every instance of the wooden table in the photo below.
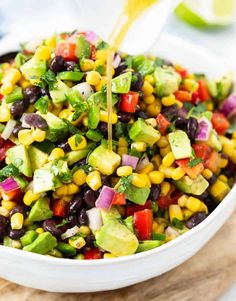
(204, 277)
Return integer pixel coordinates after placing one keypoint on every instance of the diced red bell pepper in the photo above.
(15, 195)
(183, 95)
(129, 102)
(3, 149)
(212, 162)
(172, 198)
(1, 96)
(203, 91)
(67, 51)
(192, 172)
(202, 151)
(131, 209)
(220, 123)
(59, 208)
(92, 52)
(119, 199)
(143, 224)
(195, 97)
(93, 253)
(162, 123)
(183, 72)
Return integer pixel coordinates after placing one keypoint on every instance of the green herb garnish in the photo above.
(8, 171)
(42, 104)
(194, 162)
(177, 223)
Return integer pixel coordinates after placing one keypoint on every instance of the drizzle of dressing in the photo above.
(132, 11)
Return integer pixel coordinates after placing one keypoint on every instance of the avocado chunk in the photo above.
(117, 239)
(40, 210)
(121, 84)
(214, 141)
(57, 129)
(221, 88)
(137, 195)
(58, 94)
(28, 237)
(148, 245)
(18, 156)
(8, 242)
(141, 132)
(180, 145)
(33, 69)
(66, 249)
(37, 157)
(82, 49)
(107, 215)
(45, 180)
(193, 186)
(167, 81)
(44, 243)
(104, 160)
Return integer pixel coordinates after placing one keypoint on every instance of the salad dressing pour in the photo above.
(132, 10)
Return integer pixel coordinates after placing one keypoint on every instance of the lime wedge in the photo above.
(207, 14)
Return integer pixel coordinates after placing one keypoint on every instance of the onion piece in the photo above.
(9, 184)
(228, 107)
(8, 129)
(204, 129)
(142, 162)
(171, 231)
(116, 61)
(91, 37)
(128, 160)
(84, 89)
(104, 201)
(95, 218)
(70, 232)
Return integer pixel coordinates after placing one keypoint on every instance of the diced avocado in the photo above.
(70, 75)
(8, 242)
(129, 222)
(221, 88)
(15, 95)
(100, 98)
(40, 210)
(57, 129)
(28, 237)
(142, 64)
(58, 94)
(37, 157)
(66, 249)
(180, 144)
(121, 84)
(193, 186)
(141, 132)
(94, 135)
(45, 146)
(167, 81)
(44, 243)
(33, 69)
(45, 180)
(18, 156)
(106, 161)
(82, 50)
(75, 156)
(93, 116)
(148, 245)
(137, 195)
(214, 141)
(107, 215)
(117, 239)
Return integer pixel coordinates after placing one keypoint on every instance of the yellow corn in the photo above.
(223, 162)
(139, 180)
(98, 64)
(160, 228)
(30, 197)
(223, 178)
(168, 160)
(122, 142)
(30, 109)
(3, 211)
(156, 161)
(102, 83)
(182, 200)
(168, 100)
(177, 173)
(108, 256)
(147, 88)
(207, 173)
(72, 189)
(79, 177)
(122, 150)
(156, 177)
(5, 114)
(57, 109)
(93, 180)
(17, 220)
(86, 65)
(150, 79)
(124, 171)
(38, 135)
(101, 55)
(154, 226)
(68, 198)
(234, 135)
(163, 142)
(77, 243)
(51, 42)
(104, 117)
(178, 103)
(147, 169)
(154, 108)
(168, 171)
(56, 154)
(219, 189)
(63, 190)
(228, 147)
(65, 114)
(190, 85)
(139, 146)
(232, 158)
(152, 122)
(93, 78)
(175, 212)
(165, 150)
(39, 230)
(9, 205)
(186, 213)
(25, 137)
(74, 145)
(149, 99)
(84, 230)
(24, 83)
(165, 188)
(6, 88)
(193, 204)
(203, 208)
(43, 53)
(12, 76)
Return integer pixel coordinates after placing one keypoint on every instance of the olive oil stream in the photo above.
(132, 11)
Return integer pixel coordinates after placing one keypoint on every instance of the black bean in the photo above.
(16, 130)
(49, 225)
(57, 64)
(124, 117)
(181, 123)
(154, 193)
(17, 109)
(35, 120)
(141, 114)
(16, 234)
(32, 93)
(102, 126)
(106, 180)
(90, 241)
(75, 205)
(192, 127)
(122, 66)
(195, 219)
(137, 81)
(4, 222)
(70, 65)
(203, 196)
(212, 179)
(211, 204)
(19, 209)
(73, 219)
(83, 218)
(45, 92)
(170, 112)
(90, 198)
(64, 145)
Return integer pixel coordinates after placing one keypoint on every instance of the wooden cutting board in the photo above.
(204, 277)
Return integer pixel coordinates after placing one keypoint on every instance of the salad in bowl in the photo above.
(64, 193)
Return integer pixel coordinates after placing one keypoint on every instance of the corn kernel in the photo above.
(154, 109)
(151, 121)
(56, 154)
(139, 180)
(6, 88)
(219, 189)
(160, 228)
(108, 256)
(66, 113)
(93, 180)
(147, 88)
(24, 83)
(68, 198)
(25, 137)
(228, 147)
(168, 100)
(12, 76)
(163, 142)
(73, 188)
(39, 230)
(179, 103)
(86, 65)
(74, 145)
(193, 204)
(79, 177)
(223, 162)
(104, 117)
(232, 158)
(124, 171)
(207, 173)
(57, 109)
(9, 205)
(154, 226)
(190, 85)
(30, 109)
(186, 213)
(93, 78)
(99, 64)
(84, 230)
(149, 99)
(177, 173)
(156, 161)
(122, 150)
(182, 200)
(223, 178)
(102, 83)
(203, 208)
(5, 114)
(30, 197)
(168, 160)
(165, 188)
(39, 135)
(139, 146)
(234, 135)
(123, 142)
(168, 171)
(43, 53)
(147, 169)
(175, 212)
(4, 211)
(85, 121)
(165, 150)
(77, 243)
(101, 55)
(63, 190)
(17, 220)
(156, 177)
(51, 42)
(150, 79)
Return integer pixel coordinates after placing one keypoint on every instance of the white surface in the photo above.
(65, 275)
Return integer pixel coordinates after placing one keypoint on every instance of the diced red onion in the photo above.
(171, 231)
(142, 163)
(70, 232)
(228, 107)
(91, 37)
(204, 129)
(104, 201)
(84, 89)
(128, 160)
(9, 184)
(95, 218)
(116, 61)
(8, 129)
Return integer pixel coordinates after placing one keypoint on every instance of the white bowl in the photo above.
(66, 275)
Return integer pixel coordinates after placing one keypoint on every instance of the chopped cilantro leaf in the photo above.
(194, 162)
(49, 78)
(8, 171)
(63, 223)
(125, 182)
(177, 223)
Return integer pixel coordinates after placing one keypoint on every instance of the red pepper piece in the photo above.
(59, 208)
(192, 172)
(162, 123)
(203, 91)
(129, 102)
(143, 224)
(220, 123)
(6, 145)
(93, 253)
(119, 199)
(67, 51)
(130, 210)
(183, 95)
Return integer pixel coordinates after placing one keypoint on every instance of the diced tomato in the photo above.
(131, 209)
(183, 72)
(195, 97)
(1, 96)
(119, 199)
(212, 162)
(59, 208)
(162, 123)
(183, 95)
(192, 172)
(93, 253)
(15, 195)
(143, 224)
(203, 90)
(129, 102)
(172, 198)
(92, 52)
(3, 149)
(202, 151)
(220, 123)
(67, 51)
